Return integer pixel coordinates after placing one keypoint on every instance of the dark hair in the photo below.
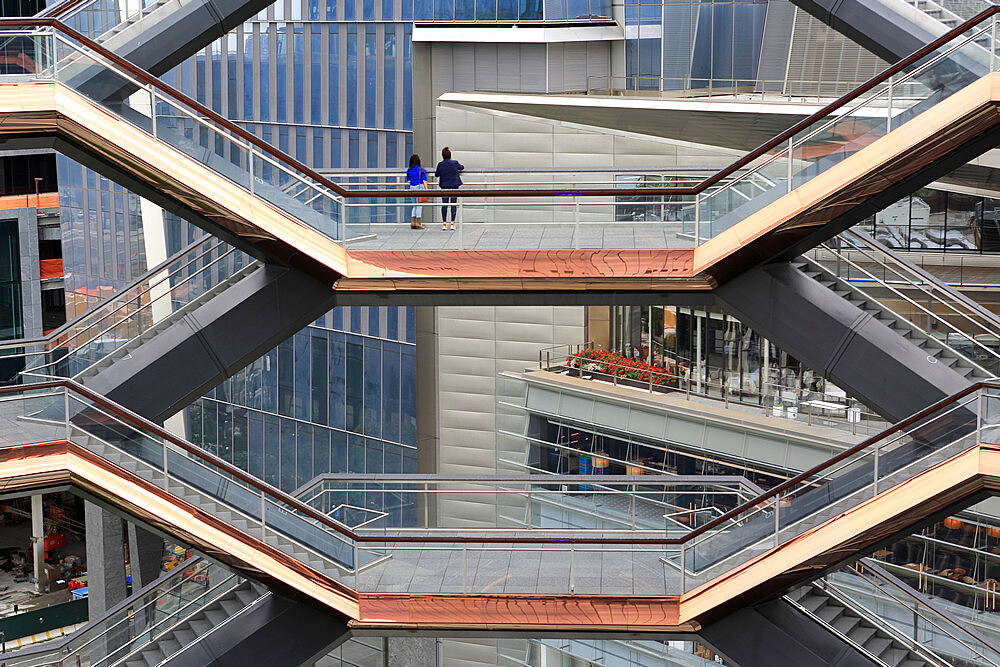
(446, 153)
(414, 160)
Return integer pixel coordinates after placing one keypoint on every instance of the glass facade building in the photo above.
(329, 83)
(339, 396)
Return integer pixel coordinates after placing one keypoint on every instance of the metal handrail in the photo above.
(145, 307)
(874, 659)
(908, 591)
(723, 387)
(94, 623)
(904, 590)
(216, 593)
(266, 148)
(913, 303)
(837, 594)
(929, 277)
(151, 273)
(916, 281)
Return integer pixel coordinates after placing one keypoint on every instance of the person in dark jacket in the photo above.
(447, 173)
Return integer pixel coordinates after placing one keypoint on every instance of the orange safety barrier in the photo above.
(41, 200)
(51, 268)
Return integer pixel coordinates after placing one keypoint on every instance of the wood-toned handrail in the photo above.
(264, 147)
(143, 424)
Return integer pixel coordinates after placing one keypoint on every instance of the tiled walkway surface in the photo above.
(495, 236)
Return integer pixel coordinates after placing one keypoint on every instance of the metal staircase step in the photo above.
(877, 645)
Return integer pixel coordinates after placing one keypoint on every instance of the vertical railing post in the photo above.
(152, 107)
(465, 567)
(251, 170)
(633, 505)
(888, 113)
(791, 145)
(777, 525)
(697, 219)
(572, 572)
(263, 522)
(427, 506)
(576, 222)
(993, 42)
(69, 428)
(459, 220)
(875, 469)
(683, 567)
(55, 57)
(979, 415)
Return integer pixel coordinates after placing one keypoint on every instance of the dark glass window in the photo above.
(372, 382)
(355, 386)
(11, 309)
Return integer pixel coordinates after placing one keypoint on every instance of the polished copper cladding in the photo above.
(33, 466)
(39, 108)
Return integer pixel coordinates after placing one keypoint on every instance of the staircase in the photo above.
(852, 627)
(171, 640)
(291, 534)
(81, 366)
(934, 347)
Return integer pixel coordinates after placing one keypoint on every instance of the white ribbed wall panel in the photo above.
(474, 343)
(482, 138)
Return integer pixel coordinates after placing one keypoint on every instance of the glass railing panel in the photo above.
(202, 589)
(310, 535)
(32, 416)
(95, 427)
(97, 17)
(912, 619)
(157, 304)
(106, 640)
(172, 120)
(931, 307)
(88, 419)
(196, 137)
(519, 568)
(218, 484)
(829, 140)
(839, 487)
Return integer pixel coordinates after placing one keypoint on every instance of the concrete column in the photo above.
(145, 554)
(105, 574)
(105, 559)
(155, 241)
(38, 542)
(410, 652)
(423, 103)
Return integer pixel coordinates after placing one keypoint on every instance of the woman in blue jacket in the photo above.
(448, 179)
(416, 176)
